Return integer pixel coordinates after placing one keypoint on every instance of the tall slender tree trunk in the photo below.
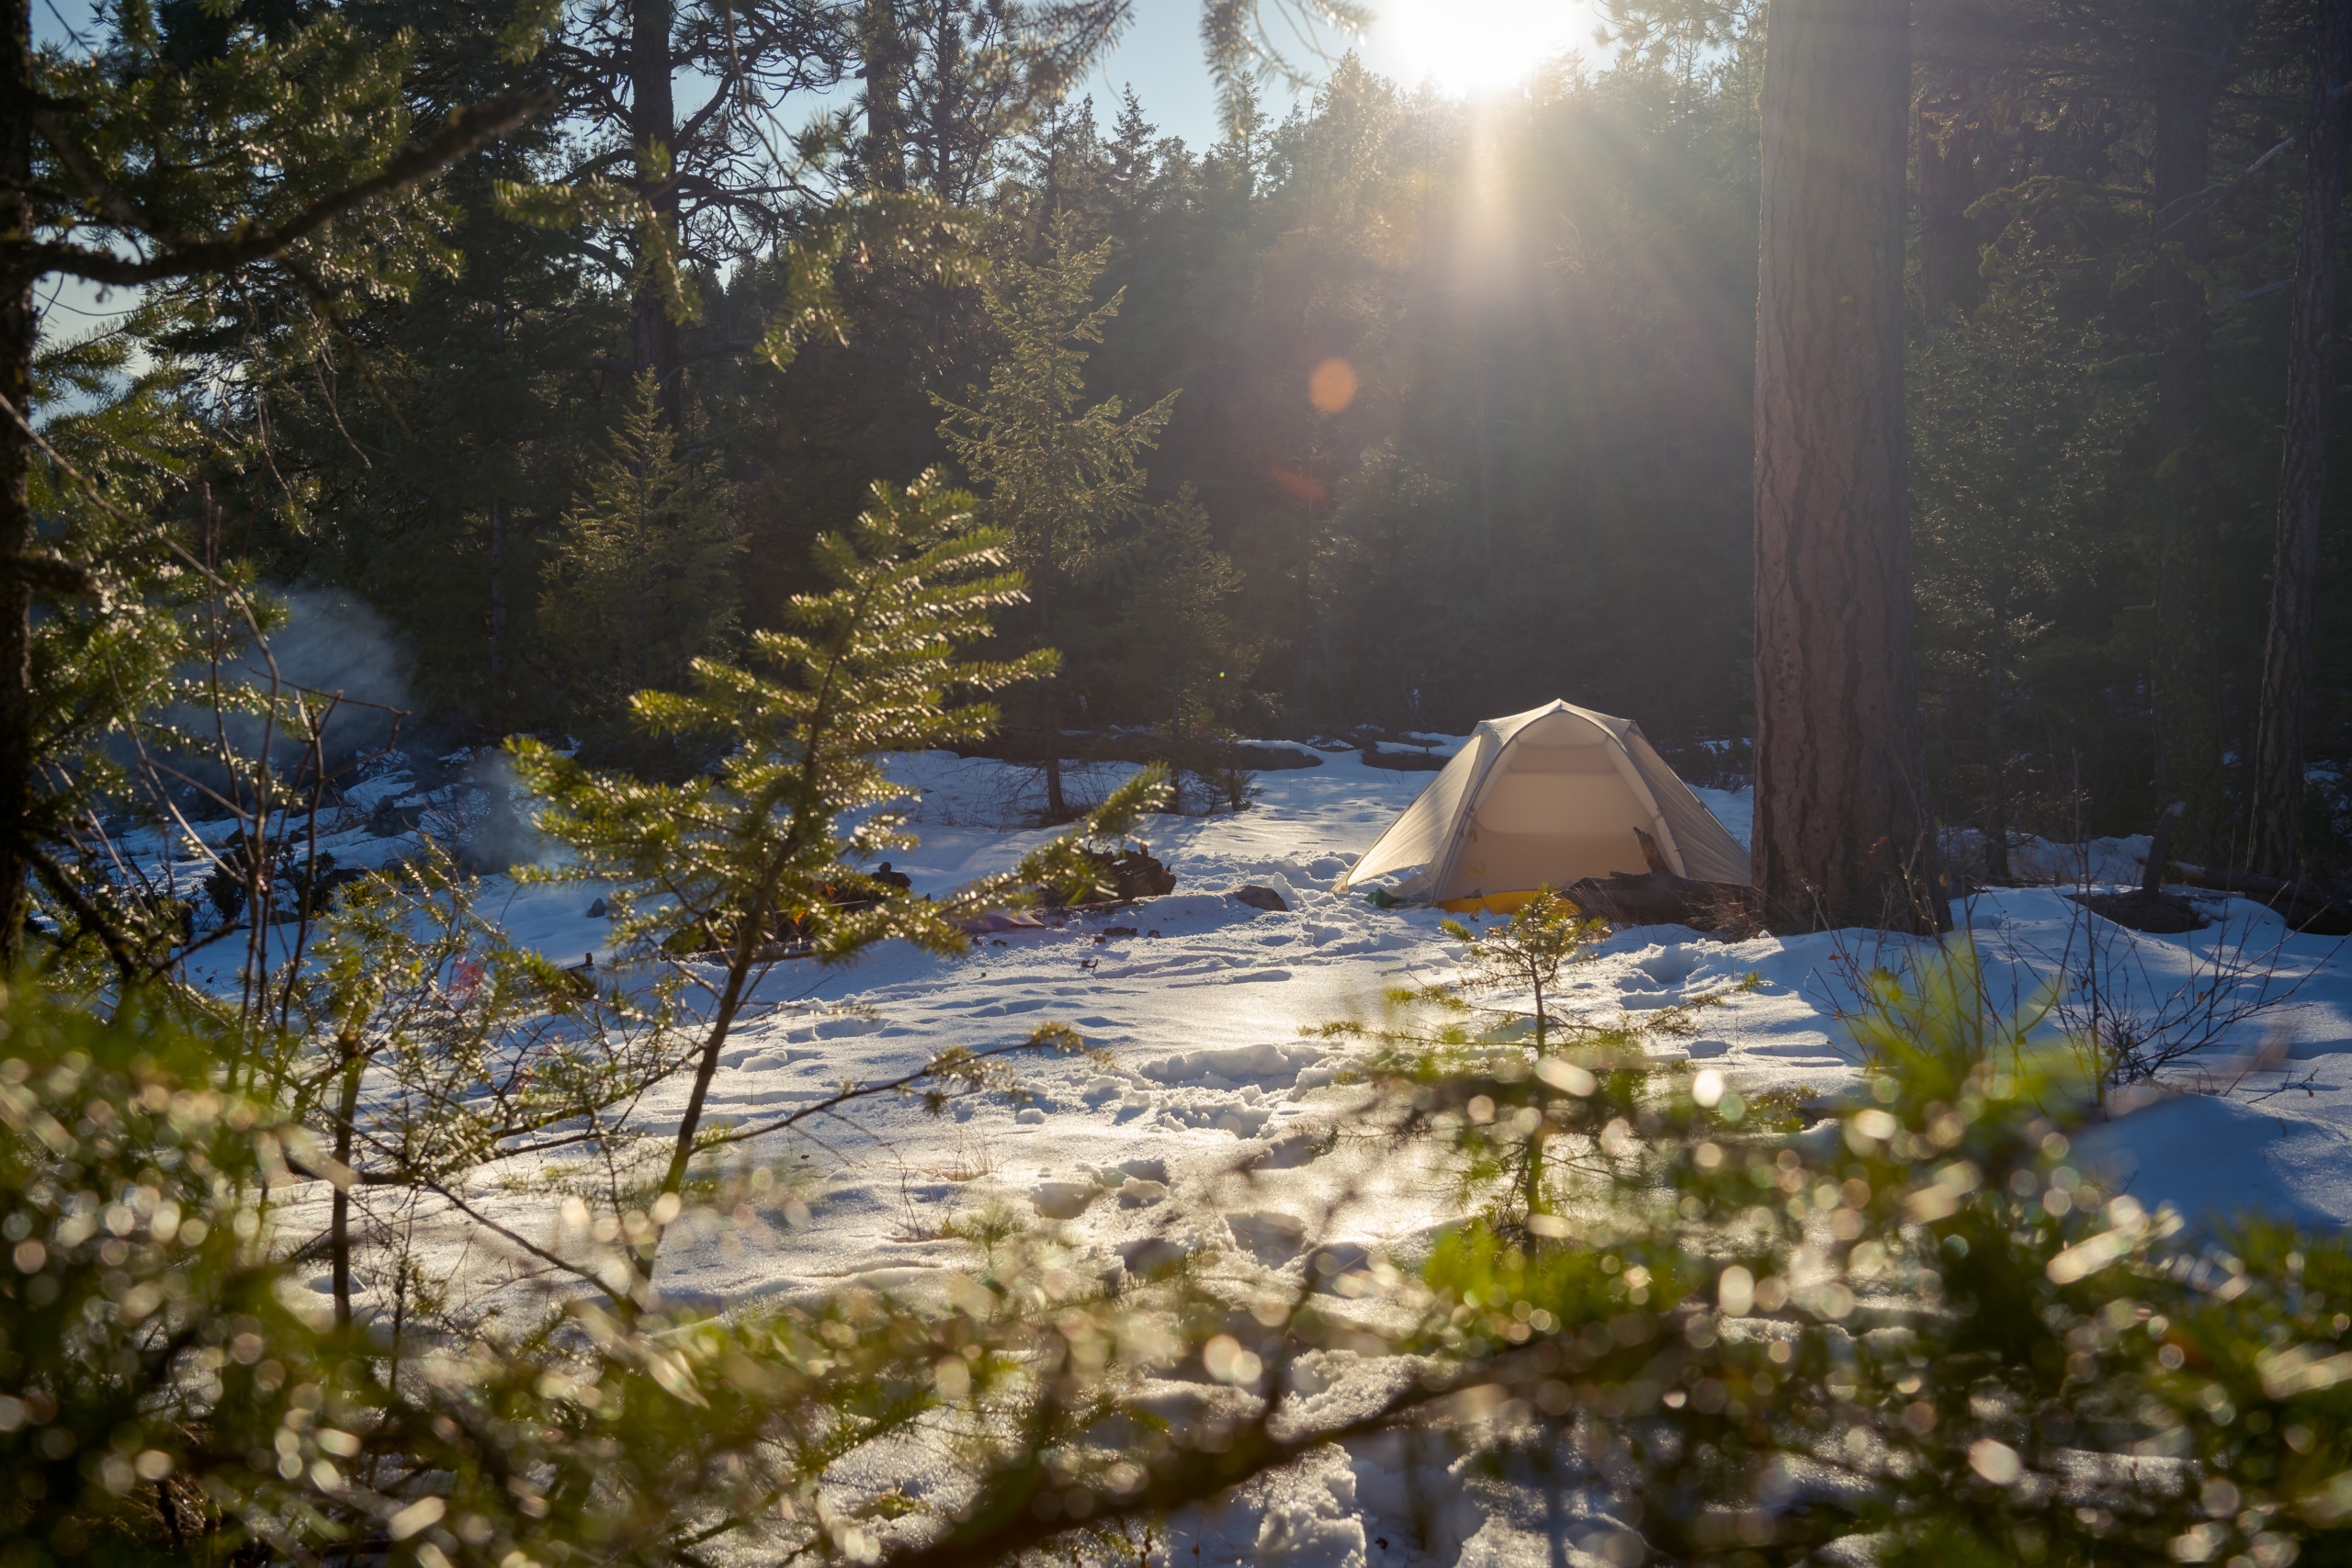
(494, 706)
(636, 638)
(346, 1115)
(2184, 663)
(1484, 432)
(653, 333)
(947, 129)
(1056, 809)
(1485, 480)
(1842, 834)
(497, 703)
(2277, 787)
(19, 329)
(1996, 738)
(883, 43)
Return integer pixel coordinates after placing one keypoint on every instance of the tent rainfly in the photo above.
(1540, 800)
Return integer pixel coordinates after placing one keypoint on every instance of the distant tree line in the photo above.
(1403, 410)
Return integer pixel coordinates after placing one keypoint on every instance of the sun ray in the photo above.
(1477, 46)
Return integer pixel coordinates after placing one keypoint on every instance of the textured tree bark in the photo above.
(654, 334)
(2184, 665)
(19, 329)
(2273, 835)
(1843, 832)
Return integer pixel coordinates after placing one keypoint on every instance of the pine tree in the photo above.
(126, 620)
(1195, 672)
(282, 150)
(772, 841)
(1059, 474)
(1842, 825)
(949, 82)
(2277, 781)
(442, 436)
(641, 581)
(2012, 434)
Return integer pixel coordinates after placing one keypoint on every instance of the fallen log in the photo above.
(2304, 908)
(1118, 879)
(2148, 907)
(1660, 897)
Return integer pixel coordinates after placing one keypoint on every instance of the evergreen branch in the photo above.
(464, 131)
(126, 214)
(51, 574)
(92, 920)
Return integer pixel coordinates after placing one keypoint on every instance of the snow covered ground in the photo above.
(1201, 1001)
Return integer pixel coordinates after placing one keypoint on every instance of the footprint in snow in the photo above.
(1238, 979)
(999, 1009)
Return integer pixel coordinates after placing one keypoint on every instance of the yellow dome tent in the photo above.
(1540, 800)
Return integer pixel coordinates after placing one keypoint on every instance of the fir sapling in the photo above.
(777, 836)
(1526, 953)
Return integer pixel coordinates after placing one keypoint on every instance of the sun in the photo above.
(1476, 46)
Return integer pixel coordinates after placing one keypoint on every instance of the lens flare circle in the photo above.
(1332, 387)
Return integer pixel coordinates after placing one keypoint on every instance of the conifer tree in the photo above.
(1526, 953)
(2277, 784)
(642, 580)
(771, 843)
(1059, 474)
(135, 164)
(947, 81)
(1842, 829)
(2010, 434)
(1196, 668)
(101, 662)
(697, 99)
(717, 179)
(442, 436)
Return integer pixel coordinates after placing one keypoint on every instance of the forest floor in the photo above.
(1203, 1004)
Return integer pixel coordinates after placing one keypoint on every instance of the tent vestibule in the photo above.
(1543, 798)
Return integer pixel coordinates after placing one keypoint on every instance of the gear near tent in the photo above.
(1542, 799)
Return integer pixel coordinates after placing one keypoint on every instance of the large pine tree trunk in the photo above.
(654, 334)
(2277, 787)
(19, 328)
(1843, 832)
(2183, 662)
